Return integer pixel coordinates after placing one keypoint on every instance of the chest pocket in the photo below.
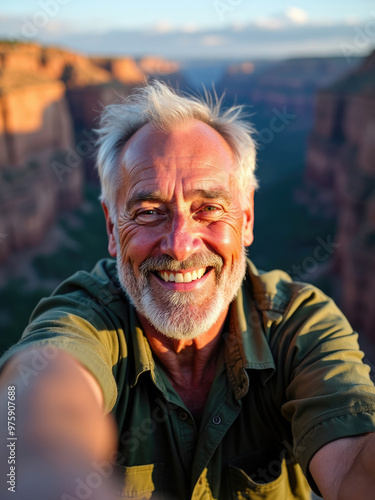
(270, 480)
(141, 482)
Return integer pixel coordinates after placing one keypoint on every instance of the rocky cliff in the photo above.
(341, 161)
(35, 123)
(49, 99)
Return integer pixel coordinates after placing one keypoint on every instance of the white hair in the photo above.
(166, 109)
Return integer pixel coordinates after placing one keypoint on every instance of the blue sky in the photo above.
(185, 28)
(91, 15)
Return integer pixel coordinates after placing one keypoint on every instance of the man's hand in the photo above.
(345, 469)
(61, 434)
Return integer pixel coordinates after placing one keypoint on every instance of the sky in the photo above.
(193, 27)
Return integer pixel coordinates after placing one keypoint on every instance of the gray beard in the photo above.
(167, 311)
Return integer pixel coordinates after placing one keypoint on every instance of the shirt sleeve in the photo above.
(329, 393)
(77, 326)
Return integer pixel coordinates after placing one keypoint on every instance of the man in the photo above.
(224, 382)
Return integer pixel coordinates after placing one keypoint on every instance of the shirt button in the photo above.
(183, 415)
(216, 420)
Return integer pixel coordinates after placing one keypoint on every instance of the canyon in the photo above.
(341, 165)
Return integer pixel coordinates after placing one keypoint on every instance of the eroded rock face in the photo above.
(123, 69)
(341, 159)
(35, 117)
(49, 99)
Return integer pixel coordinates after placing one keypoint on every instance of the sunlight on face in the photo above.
(181, 228)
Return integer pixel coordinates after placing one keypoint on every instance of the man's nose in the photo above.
(180, 239)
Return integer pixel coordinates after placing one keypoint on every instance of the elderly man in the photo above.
(224, 382)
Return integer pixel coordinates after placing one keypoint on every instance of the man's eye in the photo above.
(210, 208)
(209, 212)
(149, 215)
(147, 212)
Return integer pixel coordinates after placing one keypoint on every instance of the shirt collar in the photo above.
(246, 346)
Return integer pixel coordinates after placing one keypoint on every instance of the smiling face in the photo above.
(180, 231)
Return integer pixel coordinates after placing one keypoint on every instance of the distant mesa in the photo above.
(245, 68)
(292, 83)
(153, 65)
(123, 69)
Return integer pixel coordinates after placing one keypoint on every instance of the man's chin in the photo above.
(182, 320)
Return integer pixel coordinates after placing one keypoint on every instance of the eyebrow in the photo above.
(156, 196)
(144, 196)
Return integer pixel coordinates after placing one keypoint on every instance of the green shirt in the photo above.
(289, 380)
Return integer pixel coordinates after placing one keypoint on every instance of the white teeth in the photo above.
(187, 277)
(182, 277)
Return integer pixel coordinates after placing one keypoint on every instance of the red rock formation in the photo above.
(123, 69)
(341, 158)
(35, 117)
(47, 94)
(153, 65)
(35, 123)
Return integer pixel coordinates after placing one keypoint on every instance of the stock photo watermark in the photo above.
(95, 479)
(39, 19)
(11, 439)
(91, 482)
(39, 361)
(222, 7)
(74, 156)
(279, 121)
(322, 253)
(363, 38)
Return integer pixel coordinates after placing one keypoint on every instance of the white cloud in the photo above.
(296, 15)
(238, 26)
(189, 28)
(269, 23)
(293, 15)
(213, 40)
(352, 20)
(163, 26)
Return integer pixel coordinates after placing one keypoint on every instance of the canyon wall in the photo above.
(39, 87)
(49, 101)
(341, 162)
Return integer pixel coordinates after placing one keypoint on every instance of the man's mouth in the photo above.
(187, 277)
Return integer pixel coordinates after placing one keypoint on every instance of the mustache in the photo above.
(167, 263)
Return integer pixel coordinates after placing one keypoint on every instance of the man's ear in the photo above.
(112, 248)
(248, 218)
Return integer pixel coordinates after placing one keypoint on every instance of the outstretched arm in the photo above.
(60, 433)
(345, 469)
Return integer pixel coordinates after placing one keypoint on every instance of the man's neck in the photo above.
(189, 364)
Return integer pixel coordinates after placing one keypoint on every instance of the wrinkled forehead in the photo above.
(187, 159)
(191, 139)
